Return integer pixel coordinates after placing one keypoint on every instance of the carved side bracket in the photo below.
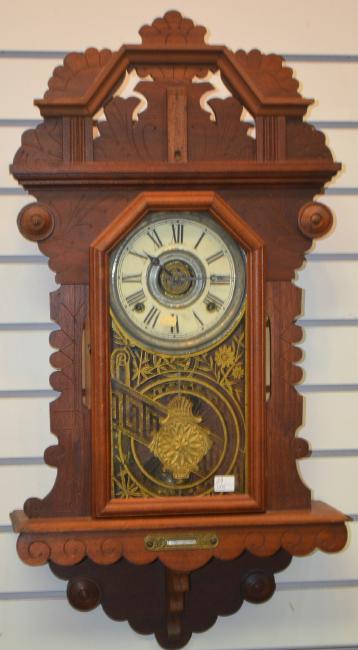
(192, 602)
(69, 417)
(284, 408)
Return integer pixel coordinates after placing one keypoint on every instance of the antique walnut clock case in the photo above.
(174, 235)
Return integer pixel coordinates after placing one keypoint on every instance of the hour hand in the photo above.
(154, 260)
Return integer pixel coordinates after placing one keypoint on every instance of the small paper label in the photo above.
(224, 483)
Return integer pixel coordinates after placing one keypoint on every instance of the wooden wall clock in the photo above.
(174, 235)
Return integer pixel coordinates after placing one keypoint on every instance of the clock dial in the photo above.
(178, 282)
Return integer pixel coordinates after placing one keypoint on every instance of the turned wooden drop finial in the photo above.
(35, 222)
(83, 594)
(315, 220)
(258, 586)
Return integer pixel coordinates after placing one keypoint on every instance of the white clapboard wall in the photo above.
(316, 603)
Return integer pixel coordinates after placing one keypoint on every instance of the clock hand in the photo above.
(181, 276)
(156, 262)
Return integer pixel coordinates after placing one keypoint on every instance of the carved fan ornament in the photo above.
(93, 165)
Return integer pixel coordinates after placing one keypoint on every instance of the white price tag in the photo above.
(224, 483)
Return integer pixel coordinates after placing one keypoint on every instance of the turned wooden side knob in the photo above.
(35, 222)
(315, 220)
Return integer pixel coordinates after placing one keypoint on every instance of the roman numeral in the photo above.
(198, 318)
(175, 328)
(215, 257)
(152, 316)
(178, 232)
(132, 278)
(200, 239)
(137, 296)
(213, 300)
(220, 279)
(153, 235)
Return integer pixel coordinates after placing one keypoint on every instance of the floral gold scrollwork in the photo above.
(177, 421)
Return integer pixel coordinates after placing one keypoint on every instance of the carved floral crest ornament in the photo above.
(174, 229)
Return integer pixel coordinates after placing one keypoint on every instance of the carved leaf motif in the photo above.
(304, 141)
(268, 73)
(172, 29)
(122, 139)
(117, 140)
(172, 73)
(41, 145)
(224, 139)
(77, 73)
(79, 217)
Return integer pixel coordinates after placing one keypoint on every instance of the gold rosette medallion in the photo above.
(181, 442)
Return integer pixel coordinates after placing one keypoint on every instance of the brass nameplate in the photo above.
(188, 541)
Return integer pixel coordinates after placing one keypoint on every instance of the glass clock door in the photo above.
(178, 359)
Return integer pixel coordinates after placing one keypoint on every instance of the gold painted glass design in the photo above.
(178, 358)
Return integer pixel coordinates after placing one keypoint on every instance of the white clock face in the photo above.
(178, 282)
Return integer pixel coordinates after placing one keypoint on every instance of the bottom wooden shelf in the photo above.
(69, 540)
(174, 576)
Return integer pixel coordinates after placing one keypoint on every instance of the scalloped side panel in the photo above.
(69, 418)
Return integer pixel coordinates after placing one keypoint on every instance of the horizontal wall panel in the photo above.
(11, 242)
(315, 82)
(24, 363)
(330, 420)
(343, 144)
(329, 287)
(319, 566)
(291, 619)
(272, 27)
(333, 480)
(10, 143)
(25, 289)
(330, 423)
(343, 238)
(18, 483)
(25, 427)
(32, 76)
(19, 577)
(330, 355)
